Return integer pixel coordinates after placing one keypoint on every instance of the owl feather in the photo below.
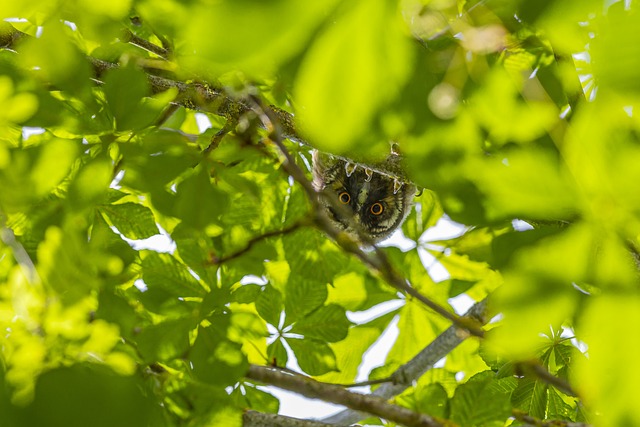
(367, 205)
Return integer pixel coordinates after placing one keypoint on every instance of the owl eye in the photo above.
(376, 208)
(344, 197)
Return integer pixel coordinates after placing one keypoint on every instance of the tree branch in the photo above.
(535, 422)
(217, 261)
(406, 374)
(379, 261)
(196, 96)
(336, 394)
(129, 37)
(259, 419)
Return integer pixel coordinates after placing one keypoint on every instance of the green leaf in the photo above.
(246, 294)
(165, 341)
(265, 34)
(557, 408)
(433, 400)
(198, 203)
(349, 351)
(134, 221)
(309, 250)
(57, 60)
(353, 68)
(302, 297)
(88, 394)
(514, 191)
(53, 164)
(314, 357)
(278, 353)
(217, 360)
(256, 399)
(269, 305)
(531, 397)
(164, 272)
(124, 89)
(615, 384)
(91, 184)
(328, 323)
(425, 214)
(417, 327)
(481, 400)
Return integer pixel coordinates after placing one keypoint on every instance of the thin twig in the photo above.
(251, 242)
(541, 372)
(217, 137)
(336, 394)
(129, 37)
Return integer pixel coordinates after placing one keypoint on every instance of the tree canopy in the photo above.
(129, 122)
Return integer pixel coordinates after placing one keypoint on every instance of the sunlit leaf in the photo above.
(328, 323)
(352, 69)
(131, 219)
(480, 400)
(314, 357)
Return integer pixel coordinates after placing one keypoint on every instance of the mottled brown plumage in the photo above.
(367, 205)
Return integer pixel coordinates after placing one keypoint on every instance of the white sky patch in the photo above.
(203, 122)
(159, 243)
(29, 131)
(520, 225)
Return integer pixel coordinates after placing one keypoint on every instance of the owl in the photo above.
(374, 205)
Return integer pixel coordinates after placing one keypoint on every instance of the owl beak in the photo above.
(362, 195)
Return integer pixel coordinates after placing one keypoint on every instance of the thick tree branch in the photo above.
(335, 394)
(259, 419)
(195, 95)
(404, 376)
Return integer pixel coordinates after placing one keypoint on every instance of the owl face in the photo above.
(372, 203)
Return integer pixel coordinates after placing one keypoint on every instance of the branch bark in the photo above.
(195, 95)
(336, 394)
(405, 375)
(259, 419)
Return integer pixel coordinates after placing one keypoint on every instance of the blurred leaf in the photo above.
(57, 60)
(264, 35)
(354, 67)
(505, 118)
(88, 395)
(611, 393)
(616, 50)
(197, 190)
(91, 183)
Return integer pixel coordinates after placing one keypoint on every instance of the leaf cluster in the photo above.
(155, 242)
